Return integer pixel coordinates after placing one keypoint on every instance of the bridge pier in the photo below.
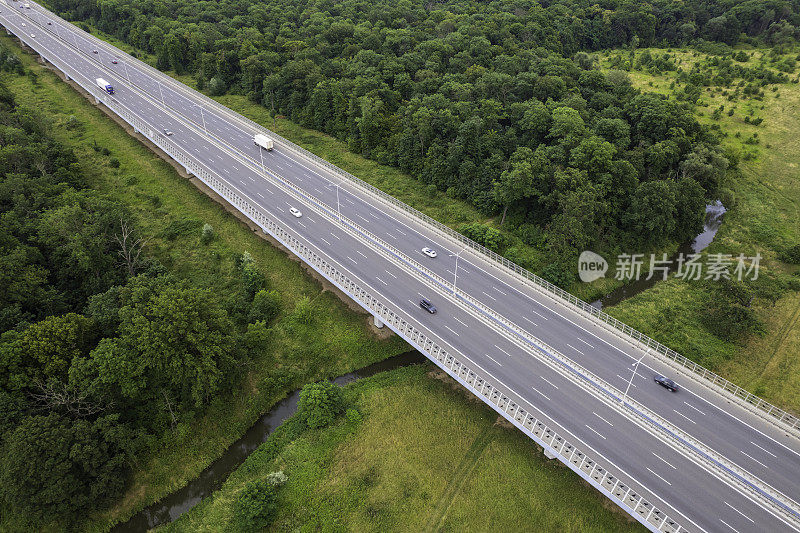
(377, 321)
(549, 454)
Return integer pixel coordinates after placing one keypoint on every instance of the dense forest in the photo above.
(102, 350)
(497, 103)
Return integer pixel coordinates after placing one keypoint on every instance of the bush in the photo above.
(558, 275)
(266, 305)
(320, 404)
(303, 311)
(207, 234)
(113, 162)
(255, 506)
(791, 255)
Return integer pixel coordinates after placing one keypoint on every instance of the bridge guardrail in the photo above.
(756, 404)
(569, 454)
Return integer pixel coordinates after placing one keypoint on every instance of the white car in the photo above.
(33, 36)
(430, 253)
(167, 132)
(296, 212)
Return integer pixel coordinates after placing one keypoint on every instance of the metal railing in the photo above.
(756, 404)
(571, 455)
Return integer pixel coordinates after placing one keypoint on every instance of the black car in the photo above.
(666, 383)
(427, 305)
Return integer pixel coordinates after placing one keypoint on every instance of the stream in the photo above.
(212, 478)
(714, 214)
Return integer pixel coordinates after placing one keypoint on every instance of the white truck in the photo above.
(263, 141)
(103, 84)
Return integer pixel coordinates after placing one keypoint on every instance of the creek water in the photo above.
(713, 220)
(212, 478)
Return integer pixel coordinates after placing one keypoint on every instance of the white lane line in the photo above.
(763, 449)
(586, 343)
(362, 218)
(461, 322)
(501, 292)
(413, 303)
(730, 526)
(464, 270)
(390, 235)
(550, 382)
(311, 219)
(502, 350)
(282, 210)
(332, 233)
(738, 511)
(261, 195)
(325, 241)
(489, 295)
(603, 419)
(543, 394)
(373, 215)
(754, 459)
(668, 463)
(684, 416)
(540, 314)
(277, 165)
(574, 348)
(531, 321)
(493, 359)
(451, 329)
(351, 259)
(362, 255)
(695, 408)
(401, 232)
(395, 277)
(301, 224)
(448, 271)
(379, 279)
(626, 379)
(597, 432)
(659, 477)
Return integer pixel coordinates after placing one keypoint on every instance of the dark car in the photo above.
(427, 305)
(114, 61)
(666, 383)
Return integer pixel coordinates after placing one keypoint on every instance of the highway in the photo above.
(691, 495)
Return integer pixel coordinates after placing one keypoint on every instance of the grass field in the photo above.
(337, 341)
(764, 218)
(425, 457)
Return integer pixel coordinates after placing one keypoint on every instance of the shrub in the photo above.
(207, 234)
(113, 162)
(255, 506)
(320, 404)
(266, 305)
(558, 275)
(303, 311)
(791, 255)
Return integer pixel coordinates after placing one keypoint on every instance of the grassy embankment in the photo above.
(424, 457)
(170, 211)
(764, 218)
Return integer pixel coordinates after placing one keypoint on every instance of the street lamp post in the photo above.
(455, 270)
(203, 118)
(635, 369)
(338, 212)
